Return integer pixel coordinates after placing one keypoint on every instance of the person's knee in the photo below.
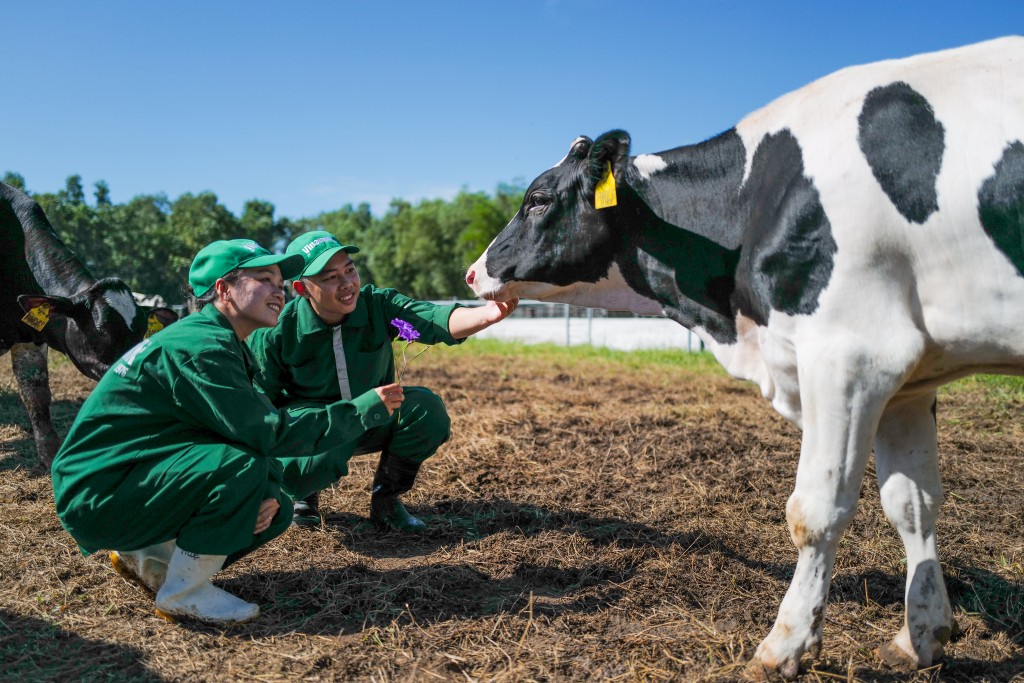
(246, 469)
(430, 406)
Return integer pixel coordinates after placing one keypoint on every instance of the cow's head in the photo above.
(558, 242)
(97, 325)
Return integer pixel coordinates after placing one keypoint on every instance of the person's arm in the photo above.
(467, 321)
(213, 387)
(270, 369)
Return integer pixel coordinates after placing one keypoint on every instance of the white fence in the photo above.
(537, 322)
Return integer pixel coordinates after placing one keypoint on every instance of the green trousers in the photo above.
(205, 495)
(414, 433)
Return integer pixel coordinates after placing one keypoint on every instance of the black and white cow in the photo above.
(91, 321)
(850, 247)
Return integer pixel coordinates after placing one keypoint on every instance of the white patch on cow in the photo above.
(123, 303)
(611, 292)
(649, 164)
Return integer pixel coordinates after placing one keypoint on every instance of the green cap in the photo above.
(316, 248)
(219, 258)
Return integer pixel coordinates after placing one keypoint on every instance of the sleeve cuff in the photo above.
(445, 313)
(371, 410)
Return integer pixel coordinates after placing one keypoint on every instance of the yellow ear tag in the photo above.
(152, 326)
(604, 194)
(37, 317)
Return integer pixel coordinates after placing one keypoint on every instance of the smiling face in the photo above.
(334, 291)
(252, 300)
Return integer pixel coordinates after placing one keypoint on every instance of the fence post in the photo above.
(567, 336)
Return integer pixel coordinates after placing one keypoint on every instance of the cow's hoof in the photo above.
(902, 655)
(761, 671)
(893, 656)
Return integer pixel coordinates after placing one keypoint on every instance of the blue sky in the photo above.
(311, 105)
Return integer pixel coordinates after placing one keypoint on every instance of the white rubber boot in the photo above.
(146, 567)
(187, 592)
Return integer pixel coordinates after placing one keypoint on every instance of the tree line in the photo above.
(421, 249)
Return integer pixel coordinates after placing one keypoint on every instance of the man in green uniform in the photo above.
(333, 343)
(173, 458)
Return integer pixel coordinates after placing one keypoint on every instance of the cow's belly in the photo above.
(971, 312)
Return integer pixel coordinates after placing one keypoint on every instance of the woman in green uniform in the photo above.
(171, 461)
(333, 343)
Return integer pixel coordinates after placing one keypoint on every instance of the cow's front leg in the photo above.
(842, 396)
(29, 364)
(906, 456)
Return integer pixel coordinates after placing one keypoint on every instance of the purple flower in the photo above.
(406, 331)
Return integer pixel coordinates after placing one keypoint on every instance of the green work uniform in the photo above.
(176, 443)
(303, 361)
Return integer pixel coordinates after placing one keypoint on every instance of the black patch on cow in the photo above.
(903, 143)
(681, 234)
(691, 275)
(788, 248)
(1001, 205)
(699, 184)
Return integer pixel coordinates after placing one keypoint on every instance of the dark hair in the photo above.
(194, 303)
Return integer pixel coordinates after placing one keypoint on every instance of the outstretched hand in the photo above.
(496, 311)
(471, 319)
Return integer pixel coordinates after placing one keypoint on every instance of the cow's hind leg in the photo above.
(844, 388)
(29, 364)
(906, 456)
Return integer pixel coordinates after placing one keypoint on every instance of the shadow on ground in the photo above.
(34, 650)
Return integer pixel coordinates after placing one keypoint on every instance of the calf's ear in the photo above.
(58, 304)
(613, 148)
(164, 316)
(40, 309)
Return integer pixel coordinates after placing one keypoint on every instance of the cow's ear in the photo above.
(57, 304)
(610, 148)
(40, 309)
(580, 148)
(164, 316)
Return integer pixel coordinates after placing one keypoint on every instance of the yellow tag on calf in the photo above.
(37, 317)
(604, 195)
(153, 326)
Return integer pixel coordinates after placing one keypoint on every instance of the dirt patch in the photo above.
(589, 520)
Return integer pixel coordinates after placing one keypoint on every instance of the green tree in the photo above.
(257, 222)
(421, 249)
(15, 180)
(78, 225)
(73, 193)
(145, 250)
(195, 221)
(386, 259)
(102, 193)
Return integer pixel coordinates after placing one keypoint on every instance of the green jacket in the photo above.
(296, 357)
(188, 385)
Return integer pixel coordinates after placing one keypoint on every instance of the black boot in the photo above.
(307, 511)
(394, 477)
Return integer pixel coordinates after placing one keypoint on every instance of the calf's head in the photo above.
(557, 241)
(97, 325)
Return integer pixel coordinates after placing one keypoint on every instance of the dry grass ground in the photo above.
(593, 518)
